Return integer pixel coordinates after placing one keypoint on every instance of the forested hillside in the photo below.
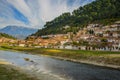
(6, 36)
(99, 11)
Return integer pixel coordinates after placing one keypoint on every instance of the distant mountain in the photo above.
(18, 31)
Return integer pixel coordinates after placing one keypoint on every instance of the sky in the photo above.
(35, 13)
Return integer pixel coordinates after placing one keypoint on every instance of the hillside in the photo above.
(6, 36)
(100, 11)
(18, 31)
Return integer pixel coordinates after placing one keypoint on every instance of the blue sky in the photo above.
(34, 13)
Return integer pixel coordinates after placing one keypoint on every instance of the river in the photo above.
(47, 68)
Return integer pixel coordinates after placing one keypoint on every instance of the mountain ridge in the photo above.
(19, 32)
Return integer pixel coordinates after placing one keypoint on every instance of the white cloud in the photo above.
(7, 16)
(21, 6)
(49, 10)
(37, 11)
(6, 22)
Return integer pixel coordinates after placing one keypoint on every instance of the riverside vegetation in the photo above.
(99, 57)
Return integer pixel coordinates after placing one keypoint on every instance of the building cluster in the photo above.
(99, 37)
(6, 40)
(91, 37)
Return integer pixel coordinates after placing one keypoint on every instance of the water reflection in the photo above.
(47, 68)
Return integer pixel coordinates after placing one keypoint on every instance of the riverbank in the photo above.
(10, 72)
(100, 58)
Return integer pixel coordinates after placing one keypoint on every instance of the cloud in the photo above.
(34, 13)
(7, 15)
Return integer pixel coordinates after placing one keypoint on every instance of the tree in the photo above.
(99, 11)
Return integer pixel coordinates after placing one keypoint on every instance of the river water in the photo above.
(53, 69)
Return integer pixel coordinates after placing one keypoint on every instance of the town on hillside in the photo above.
(92, 37)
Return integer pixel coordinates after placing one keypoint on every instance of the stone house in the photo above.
(116, 34)
(1, 40)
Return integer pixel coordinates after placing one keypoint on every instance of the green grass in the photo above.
(8, 73)
(3, 48)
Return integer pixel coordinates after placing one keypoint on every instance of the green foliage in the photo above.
(90, 31)
(104, 40)
(6, 36)
(99, 11)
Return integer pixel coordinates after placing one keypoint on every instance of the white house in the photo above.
(22, 45)
(71, 47)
